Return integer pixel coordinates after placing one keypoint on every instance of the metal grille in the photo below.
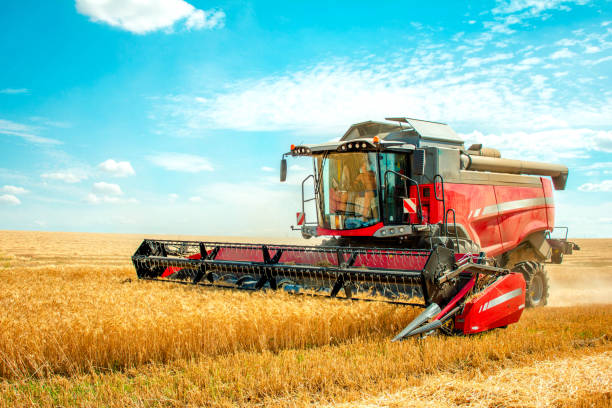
(360, 273)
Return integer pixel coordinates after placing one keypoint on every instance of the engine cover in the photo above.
(499, 305)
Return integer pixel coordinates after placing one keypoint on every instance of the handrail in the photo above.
(304, 200)
(444, 220)
(404, 177)
(454, 226)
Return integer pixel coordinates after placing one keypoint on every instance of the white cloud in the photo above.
(500, 27)
(266, 168)
(25, 132)
(549, 145)
(604, 186)
(195, 199)
(187, 163)
(563, 53)
(14, 91)
(424, 86)
(596, 169)
(67, 176)
(140, 17)
(597, 166)
(199, 19)
(531, 61)
(9, 199)
(117, 169)
(107, 193)
(512, 12)
(591, 49)
(50, 123)
(534, 7)
(107, 189)
(603, 140)
(92, 198)
(597, 61)
(13, 190)
(172, 197)
(476, 62)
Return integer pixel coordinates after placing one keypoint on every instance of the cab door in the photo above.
(392, 186)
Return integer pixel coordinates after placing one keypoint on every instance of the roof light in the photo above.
(350, 146)
(343, 147)
(363, 145)
(375, 139)
(292, 147)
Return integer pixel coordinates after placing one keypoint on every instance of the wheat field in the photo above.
(78, 329)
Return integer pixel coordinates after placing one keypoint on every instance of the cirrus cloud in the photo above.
(500, 96)
(14, 91)
(25, 132)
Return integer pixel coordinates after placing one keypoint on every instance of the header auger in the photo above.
(415, 219)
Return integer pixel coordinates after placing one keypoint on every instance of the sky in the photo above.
(171, 116)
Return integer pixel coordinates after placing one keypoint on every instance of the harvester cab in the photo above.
(412, 217)
(378, 182)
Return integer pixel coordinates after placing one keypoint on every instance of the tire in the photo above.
(557, 257)
(536, 280)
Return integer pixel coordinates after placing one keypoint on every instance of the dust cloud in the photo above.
(585, 277)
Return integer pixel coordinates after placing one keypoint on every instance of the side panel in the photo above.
(469, 202)
(522, 211)
(499, 305)
(550, 203)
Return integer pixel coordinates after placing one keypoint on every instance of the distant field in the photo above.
(77, 328)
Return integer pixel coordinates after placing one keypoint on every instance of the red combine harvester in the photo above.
(414, 219)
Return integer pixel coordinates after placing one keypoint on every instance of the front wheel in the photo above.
(536, 280)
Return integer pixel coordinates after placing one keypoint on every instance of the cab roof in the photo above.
(398, 128)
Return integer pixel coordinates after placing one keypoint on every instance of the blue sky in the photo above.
(170, 116)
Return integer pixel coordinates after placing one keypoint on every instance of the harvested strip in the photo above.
(563, 382)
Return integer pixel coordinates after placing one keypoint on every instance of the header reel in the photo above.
(436, 279)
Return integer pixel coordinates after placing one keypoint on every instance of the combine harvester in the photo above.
(415, 219)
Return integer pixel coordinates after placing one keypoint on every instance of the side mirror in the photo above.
(418, 162)
(283, 170)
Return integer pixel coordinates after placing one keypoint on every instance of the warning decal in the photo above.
(300, 218)
(409, 206)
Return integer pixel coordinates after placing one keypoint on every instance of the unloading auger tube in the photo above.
(460, 293)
